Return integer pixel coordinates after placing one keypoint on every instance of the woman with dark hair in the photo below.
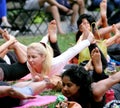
(89, 23)
(78, 86)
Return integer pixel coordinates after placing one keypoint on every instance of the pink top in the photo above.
(60, 61)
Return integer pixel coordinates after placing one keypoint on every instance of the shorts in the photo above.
(32, 5)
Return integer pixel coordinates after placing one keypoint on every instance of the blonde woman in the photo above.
(36, 57)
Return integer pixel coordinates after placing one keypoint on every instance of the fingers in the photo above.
(5, 34)
(1, 30)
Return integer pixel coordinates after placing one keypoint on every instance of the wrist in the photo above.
(48, 83)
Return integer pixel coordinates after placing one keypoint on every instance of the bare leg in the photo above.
(20, 49)
(54, 2)
(74, 16)
(56, 16)
(81, 4)
(52, 31)
(103, 7)
(89, 66)
(9, 91)
(103, 20)
(40, 86)
(96, 60)
(5, 22)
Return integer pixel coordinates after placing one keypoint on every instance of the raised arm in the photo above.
(115, 38)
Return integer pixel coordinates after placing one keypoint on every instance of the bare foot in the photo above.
(96, 60)
(52, 31)
(103, 8)
(103, 19)
(115, 30)
(117, 33)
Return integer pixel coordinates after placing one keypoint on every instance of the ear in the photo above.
(80, 28)
(43, 57)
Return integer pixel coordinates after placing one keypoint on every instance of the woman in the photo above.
(78, 86)
(89, 22)
(34, 53)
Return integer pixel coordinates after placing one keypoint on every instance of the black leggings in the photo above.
(56, 49)
(14, 71)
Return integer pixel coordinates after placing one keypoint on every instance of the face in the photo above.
(34, 58)
(69, 88)
(86, 24)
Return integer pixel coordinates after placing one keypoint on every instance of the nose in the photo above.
(65, 88)
(30, 59)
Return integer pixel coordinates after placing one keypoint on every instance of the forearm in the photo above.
(21, 53)
(5, 46)
(103, 31)
(22, 46)
(111, 41)
(2, 54)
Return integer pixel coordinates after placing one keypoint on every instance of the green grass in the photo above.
(64, 41)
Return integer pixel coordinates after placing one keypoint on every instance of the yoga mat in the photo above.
(39, 101)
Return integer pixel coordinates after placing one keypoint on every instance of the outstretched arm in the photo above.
(114, 39)
(61, 60)
(102, 86)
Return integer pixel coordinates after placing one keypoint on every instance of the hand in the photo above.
(5, 34)
(12, 39)
(87, 34)
(56, 81)
(91, 38)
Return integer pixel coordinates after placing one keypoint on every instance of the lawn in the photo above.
(64, 41)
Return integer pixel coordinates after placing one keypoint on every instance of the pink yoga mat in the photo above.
(39, 101)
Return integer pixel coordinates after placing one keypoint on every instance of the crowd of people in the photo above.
(79, 72)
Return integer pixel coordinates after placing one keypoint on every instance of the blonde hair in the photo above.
(46, 50)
